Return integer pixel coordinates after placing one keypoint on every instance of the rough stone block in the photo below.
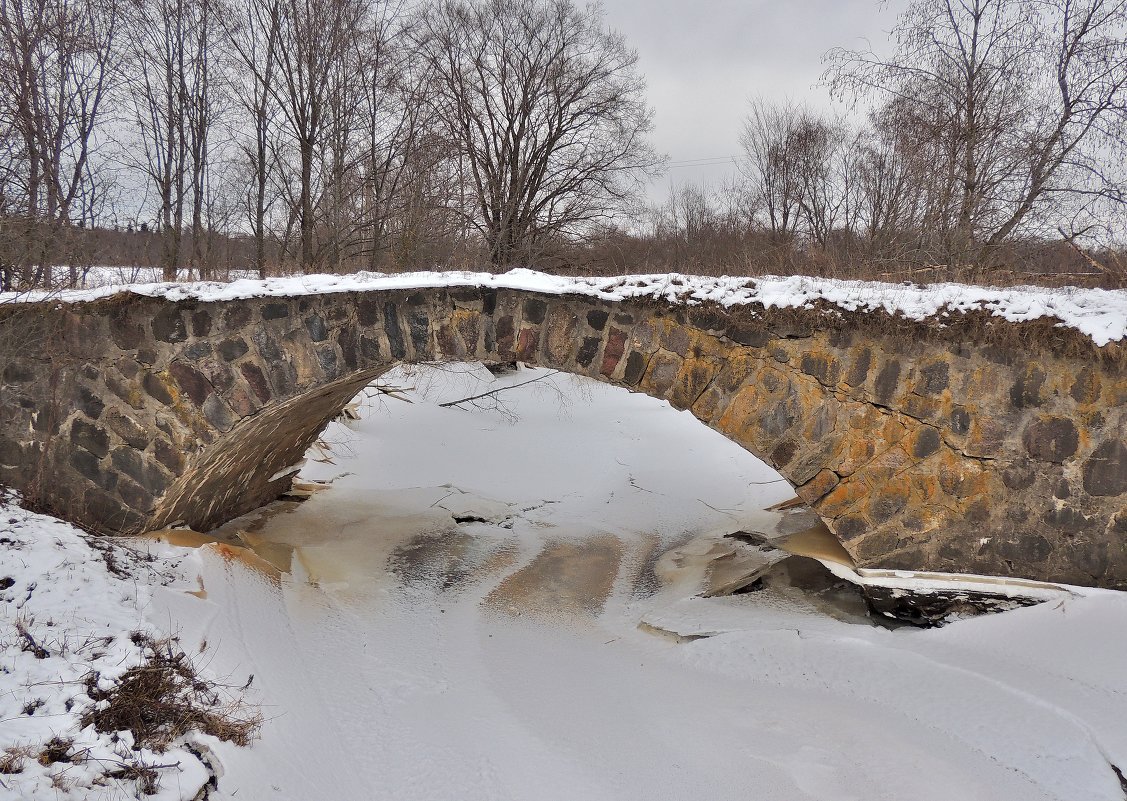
(819, 486)
(505, 333)
(89, 403)
(588, 349)
(168, 325)
(1027, 391)
(218, 413)
(887, 382)
(528, 343)
(257, 381)
(275, 311)
(534, 310)
(926, 442)
(822, 366)
(1051, 439)
(191, 382)
(635, 368)
(934, 378)
(562, 323)
(232, 349)
(859, 367)
(1105, 471)
(612, 352)
(201, 323)
(88, 435)
(1087, 386)
(664, 367)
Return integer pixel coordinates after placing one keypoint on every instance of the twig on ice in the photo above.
(494, 392)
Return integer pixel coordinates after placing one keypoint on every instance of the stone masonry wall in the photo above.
(134, 413)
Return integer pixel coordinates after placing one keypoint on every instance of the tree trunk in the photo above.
(306, 205)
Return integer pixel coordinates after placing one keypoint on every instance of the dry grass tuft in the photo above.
(28, 642)
(57, 749)
(12, 759)
(164, 698)
(146, 776)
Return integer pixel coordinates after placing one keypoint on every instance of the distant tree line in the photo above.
(336, 135)
(322, 134)
(993, 135)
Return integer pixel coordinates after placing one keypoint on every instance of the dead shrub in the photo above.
(33, 706)
(28, 642)
(164, 698)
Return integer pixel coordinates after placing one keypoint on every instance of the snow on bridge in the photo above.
(1101, 314)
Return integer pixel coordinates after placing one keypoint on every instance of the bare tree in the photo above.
(1017, 106)
(891, 187)
(545, 109)
(251, 33)
(771, 139)
(393, 160)
(203, 107)
(57, 63)
(315, 38)
(826, 152)
(170, 91)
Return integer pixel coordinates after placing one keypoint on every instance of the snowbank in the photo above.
(69, 611)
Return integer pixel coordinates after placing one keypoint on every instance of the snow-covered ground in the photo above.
(504, 603)
(68, 609)
(1099, 313)
(102, 276)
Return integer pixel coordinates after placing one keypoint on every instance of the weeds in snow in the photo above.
(28, 642)
(164, 698)
(12, 759)
(57, 749)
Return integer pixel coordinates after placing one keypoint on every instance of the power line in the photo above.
(707, 162)
(712, 158)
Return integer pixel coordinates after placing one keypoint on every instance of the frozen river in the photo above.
(504, 603)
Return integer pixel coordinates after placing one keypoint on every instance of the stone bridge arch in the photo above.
(961, 451)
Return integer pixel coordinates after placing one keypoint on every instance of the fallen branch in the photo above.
(1091, 260)
(391, 392)
(494, 392)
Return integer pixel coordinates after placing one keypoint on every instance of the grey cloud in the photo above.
(704, 60)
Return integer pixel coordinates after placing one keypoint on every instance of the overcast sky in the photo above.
(703, 60)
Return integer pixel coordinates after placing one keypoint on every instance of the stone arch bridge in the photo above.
(978, 447)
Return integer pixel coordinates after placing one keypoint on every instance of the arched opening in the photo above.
(616, 496)
(778, 405)
(256, 460)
